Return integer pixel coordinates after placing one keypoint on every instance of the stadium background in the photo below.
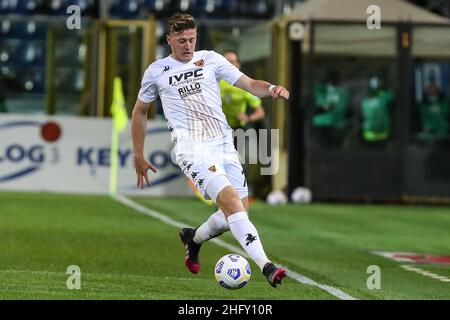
(57, 87)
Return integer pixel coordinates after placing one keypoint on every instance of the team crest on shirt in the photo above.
(212, 168)
(200, 63)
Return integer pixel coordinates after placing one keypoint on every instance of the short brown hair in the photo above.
(180, 22)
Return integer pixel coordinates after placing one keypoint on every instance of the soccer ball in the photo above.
(276, 197)
(232, 271)
(301, 195)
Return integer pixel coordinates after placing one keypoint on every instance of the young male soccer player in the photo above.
(187, 82)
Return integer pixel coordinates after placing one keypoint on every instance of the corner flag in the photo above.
(120, 121)
(118, 110)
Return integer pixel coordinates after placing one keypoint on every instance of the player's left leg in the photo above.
(233, 201)
(236, 174)
(246, 234)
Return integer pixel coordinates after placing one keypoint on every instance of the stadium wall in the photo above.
(72, 155)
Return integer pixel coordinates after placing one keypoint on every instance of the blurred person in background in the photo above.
(241, 109)
(236, 101)
(434, 112)
(376, 113)
(331, 118)
(187, 81)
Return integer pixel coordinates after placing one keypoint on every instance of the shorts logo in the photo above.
(187, 166)
(200, 182)
(200, 63)
(194, 175)
(212, 168)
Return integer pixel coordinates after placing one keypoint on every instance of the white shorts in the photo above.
(203, 162)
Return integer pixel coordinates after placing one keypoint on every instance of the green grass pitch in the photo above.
(123, 254)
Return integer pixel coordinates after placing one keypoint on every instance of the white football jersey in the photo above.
(190, 94)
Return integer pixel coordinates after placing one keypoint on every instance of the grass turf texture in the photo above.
(126, 255)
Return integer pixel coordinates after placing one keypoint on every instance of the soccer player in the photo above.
(187, 82)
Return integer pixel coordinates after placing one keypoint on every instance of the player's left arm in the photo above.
(261, 88)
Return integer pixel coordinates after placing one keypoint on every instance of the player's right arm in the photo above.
(258, 88)
(138, 130)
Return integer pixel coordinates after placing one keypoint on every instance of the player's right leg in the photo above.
(203, 175)
(193, 238)
(191, 249)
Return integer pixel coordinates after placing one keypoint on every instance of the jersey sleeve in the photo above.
(148, 91)
(225, 70)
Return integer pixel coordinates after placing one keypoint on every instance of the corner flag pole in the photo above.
(120, 121)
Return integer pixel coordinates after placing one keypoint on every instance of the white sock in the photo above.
(245, 233)
(211, 228)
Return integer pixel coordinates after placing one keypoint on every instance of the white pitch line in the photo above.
(425, 273)
(292, 274)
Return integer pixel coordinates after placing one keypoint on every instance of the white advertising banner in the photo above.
(72, 154)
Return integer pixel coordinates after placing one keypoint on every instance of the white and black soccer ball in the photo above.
(232, 271)
(301, 195)
(276, 197)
